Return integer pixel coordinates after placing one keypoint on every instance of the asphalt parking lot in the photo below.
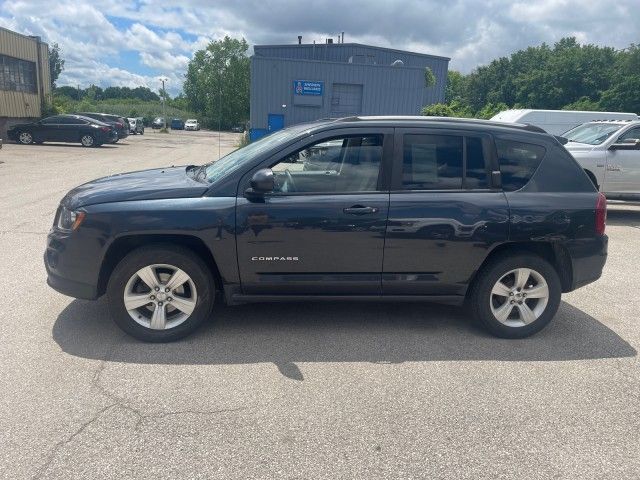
(301, 391)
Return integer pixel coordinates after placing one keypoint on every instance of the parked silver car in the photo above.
(136, 125)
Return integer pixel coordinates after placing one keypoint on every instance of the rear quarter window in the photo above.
(518, 161)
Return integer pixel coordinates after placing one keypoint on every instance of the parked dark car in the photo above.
(63, 128)
(158, 122)
(177, 124)
(496, 216)
(238, 129)
(119, 124)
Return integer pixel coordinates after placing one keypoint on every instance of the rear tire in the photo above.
(161, 317)
(88, 140)
(515, 296)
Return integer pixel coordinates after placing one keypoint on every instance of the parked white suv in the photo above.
(609, 151)
(192, 124)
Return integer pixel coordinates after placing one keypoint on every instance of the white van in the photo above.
(557, 122)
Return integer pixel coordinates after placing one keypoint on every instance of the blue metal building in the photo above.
(303, 82)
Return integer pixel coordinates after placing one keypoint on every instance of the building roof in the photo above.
(351, 44)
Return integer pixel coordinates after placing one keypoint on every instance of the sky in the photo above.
(134, 42)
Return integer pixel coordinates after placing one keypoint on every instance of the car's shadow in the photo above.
(75, 145)
(341, 332)
(624, 217)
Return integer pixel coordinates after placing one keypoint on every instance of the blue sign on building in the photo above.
(302, 87)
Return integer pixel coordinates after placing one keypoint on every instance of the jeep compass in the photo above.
(499, 217)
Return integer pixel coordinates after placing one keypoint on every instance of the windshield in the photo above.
(592, 133)
(234, 160)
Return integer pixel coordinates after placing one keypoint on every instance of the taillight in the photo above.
(105, 129)
(601, 214)
(120, 124)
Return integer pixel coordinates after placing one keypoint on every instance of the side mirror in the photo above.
(630, 144)
(262, 182)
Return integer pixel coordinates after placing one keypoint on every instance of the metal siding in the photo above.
(386, 90)
(22, 104)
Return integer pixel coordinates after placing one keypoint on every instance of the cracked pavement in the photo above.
(301, 391)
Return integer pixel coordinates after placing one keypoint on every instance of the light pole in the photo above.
(164, 93)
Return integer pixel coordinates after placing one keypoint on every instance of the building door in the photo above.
(275, 122)
(346, 100)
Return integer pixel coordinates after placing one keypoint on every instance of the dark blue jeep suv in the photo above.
(497, 216)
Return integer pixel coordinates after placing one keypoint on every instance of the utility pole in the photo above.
(164, 94)
(219, 115)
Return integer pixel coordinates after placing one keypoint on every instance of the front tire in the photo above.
(25, 138)
(516, 296)
(160, 294)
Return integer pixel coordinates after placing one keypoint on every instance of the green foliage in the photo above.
(453, 109)
(567, 75)
(217, 83)
(429, 78)
(56, 63)
(490, 109)
(584, 103)
(455, 87)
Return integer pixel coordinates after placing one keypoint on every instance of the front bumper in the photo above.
(72, 265)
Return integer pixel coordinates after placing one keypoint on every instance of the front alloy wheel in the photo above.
(25, 138)
(160, 296)
(160, 293)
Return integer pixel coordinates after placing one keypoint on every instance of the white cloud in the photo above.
(161, 32)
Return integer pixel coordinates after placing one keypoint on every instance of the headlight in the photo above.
(69, 220)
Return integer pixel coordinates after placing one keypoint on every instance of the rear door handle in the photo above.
(359, 210)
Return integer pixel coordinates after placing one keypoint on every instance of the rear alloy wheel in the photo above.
(87, 140)
(516, 296)
(160, 294)
(25, 138)
(519, 297)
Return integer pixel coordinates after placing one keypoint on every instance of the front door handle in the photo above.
(359, 210)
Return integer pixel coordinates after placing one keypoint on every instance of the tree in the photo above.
(56, 63)
(66, 91)
(217, 82)
(623, 93)
(453, 109)
(454, 90)
(429, 78)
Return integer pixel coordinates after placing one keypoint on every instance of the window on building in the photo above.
(17, 75)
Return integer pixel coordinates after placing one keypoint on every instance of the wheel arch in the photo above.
(553, 253)
(122, 246)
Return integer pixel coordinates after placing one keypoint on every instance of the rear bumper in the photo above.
(588, 257)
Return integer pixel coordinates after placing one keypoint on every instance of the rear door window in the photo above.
(432, 162)
(443, 162)
(518, 161)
